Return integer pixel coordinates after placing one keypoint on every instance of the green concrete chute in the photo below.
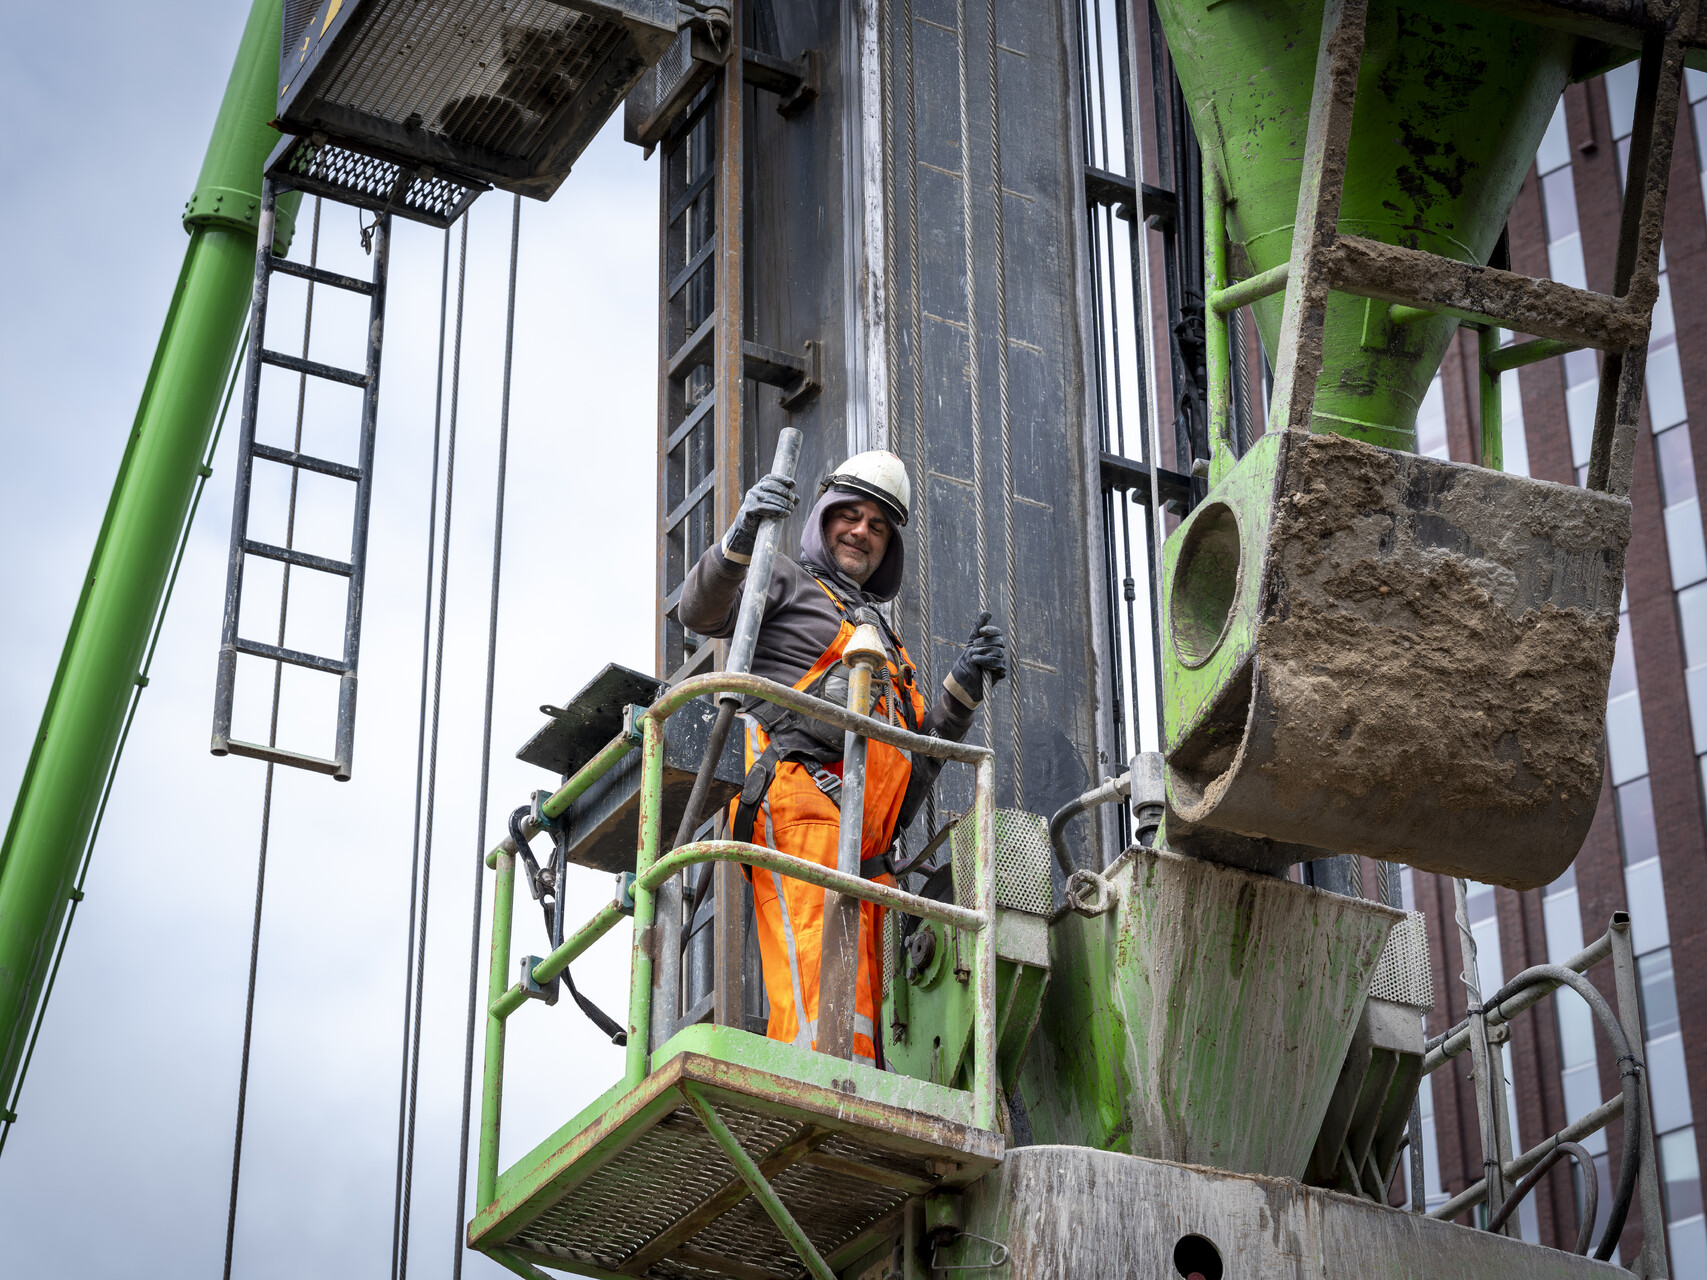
(1451, 105)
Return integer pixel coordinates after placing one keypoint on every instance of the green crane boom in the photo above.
(123, 591)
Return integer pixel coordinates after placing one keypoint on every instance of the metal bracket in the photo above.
(1120, 193)
(794, 82)
(797, 377)
(625, 892)
(1131, 475)
(532, 989)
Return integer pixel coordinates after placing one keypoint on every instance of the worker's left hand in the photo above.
(985, 655)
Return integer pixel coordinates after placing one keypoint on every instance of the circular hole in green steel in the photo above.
(1206, 582)
(1196, 1258)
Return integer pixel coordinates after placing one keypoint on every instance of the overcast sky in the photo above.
(120, 1163)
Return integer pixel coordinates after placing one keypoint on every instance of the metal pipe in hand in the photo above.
(746, 636)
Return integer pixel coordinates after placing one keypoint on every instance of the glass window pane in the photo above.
(1579, 413)
(1581, 1086)
(1680, 1171)
(1559, 195)
(1677, 464)
(1565, 260)
(1645, 893)
(1684, 543)
(1581, 366)
(1696, 83)
(1688, 1240)
(1692, 620)
(1623, 664)
(1695, 684)
(1665, 388)
(1576, 1038)
(1490, 967)
(1664, 328)
(1563, 916)
(1636, 834)
(1624, 745)
(1555, 148)
(1668, 1086)
(1621, 97)
(1431, 422)
(1512, 434)
(1659, 994)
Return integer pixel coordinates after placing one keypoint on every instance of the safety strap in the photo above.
(757, 787)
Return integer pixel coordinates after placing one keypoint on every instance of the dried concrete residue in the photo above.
(1439, 631)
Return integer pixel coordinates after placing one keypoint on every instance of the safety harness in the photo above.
(792, 739)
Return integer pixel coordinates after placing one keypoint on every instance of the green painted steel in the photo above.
(762, 1190)
(1451, 104)
(492, 1082)
(76, 744)
(1205, 1019)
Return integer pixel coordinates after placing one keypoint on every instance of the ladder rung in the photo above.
(679, 281)
(296, 658)
(278, 755)
(687, 504)
(693, 419)
(689, 352)
(321, 276)
(1541, 308)
(690, 193)
(290, 555)
(308, 462)
(314, 369)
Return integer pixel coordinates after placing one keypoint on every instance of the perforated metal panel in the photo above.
(369, 182)
(1022, 861)
(676, 1166)
(1402, 975)
(508, 91)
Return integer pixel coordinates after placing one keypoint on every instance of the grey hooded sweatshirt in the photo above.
(800, 621)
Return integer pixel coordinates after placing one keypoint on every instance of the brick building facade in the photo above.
(1647, 850)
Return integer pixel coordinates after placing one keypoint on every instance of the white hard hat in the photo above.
(877, 473)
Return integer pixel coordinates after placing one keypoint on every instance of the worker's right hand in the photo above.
(770, 498)
(985, 654)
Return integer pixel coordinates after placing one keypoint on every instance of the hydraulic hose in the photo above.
(1591, 1191)
(1114, 789)
(1629, 1074)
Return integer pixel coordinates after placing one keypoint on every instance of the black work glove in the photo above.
(771, 497)
(985, 654)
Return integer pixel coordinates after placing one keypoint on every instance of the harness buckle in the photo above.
(827, 782)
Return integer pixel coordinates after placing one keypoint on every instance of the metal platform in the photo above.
(637, 1184)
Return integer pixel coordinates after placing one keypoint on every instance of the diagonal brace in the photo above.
(1317, 225)
(757, 1184)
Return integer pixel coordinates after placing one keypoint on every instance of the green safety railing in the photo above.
(644, 728)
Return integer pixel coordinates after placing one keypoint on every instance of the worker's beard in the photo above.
(856, 564)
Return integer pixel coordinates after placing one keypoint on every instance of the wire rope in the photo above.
(486, 745)
(202, 476)
(1010, 553)
(272, 741)
(420, 852)
(968, 242)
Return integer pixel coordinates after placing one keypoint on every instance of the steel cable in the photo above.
(486, 749)
(426, 765)
(124, 737)
(1006, 423)
(974, 390)
(272, 741)
(921, 473)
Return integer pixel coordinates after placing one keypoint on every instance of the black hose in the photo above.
(1629, 1075)
(1591, 1191)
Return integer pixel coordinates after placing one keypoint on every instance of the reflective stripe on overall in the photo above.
(799, 819)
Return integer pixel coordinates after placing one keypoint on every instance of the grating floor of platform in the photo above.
(644, 1190)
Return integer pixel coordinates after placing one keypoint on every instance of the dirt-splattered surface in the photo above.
(1432, 665)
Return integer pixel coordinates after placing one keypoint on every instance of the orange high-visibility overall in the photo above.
(798, 818)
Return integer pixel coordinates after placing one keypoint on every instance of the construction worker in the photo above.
(851, 558)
